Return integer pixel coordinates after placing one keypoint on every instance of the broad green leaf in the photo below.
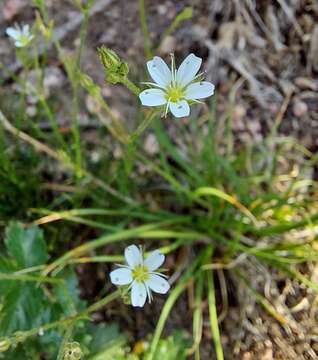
(68, 294)
(24, 307)
(173, 347)
(26, 246)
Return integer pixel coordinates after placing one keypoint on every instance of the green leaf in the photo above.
(26, 246)
(173, 347)
(68, 295)
(24, 307)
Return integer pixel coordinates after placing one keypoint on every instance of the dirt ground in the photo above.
(263, 58)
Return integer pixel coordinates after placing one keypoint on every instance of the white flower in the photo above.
(21, 36)
(140, 275)
(175, 88)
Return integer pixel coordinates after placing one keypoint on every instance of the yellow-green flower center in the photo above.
(140, 273)
(24, 39)
(174, 93)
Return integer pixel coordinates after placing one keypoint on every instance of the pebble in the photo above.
(92, 105)
(151, 144)
(300, 108)
(168, 45)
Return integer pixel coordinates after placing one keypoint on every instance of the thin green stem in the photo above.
(174, 295)
(197, 316)
(185, 14)
(130, 85)
(213, 317)
(18, 277)
(75, 109)
(66, 338)
(144, 28)
(143, 126)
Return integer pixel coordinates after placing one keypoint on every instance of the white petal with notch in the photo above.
(199, 90)
(159, 71)
(188, 69)
(180, 108)
(138, 294)
(152, 97)
(154, 260)
(121, 276)
(133, 255)
(158, 284)
(12, 32)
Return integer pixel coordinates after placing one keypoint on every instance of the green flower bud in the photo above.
(18, 337)
(72, 351)
(115, 68)
(5, 344)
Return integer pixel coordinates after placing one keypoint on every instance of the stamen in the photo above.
(151, 84)
(167, 107)
(173, 69)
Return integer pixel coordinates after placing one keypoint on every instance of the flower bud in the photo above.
(18, 337)
(5, 344)
(72, 351)
(115, 68)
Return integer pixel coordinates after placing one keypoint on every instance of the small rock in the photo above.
(239, 113)
(254, 126)
(307, 83)
(300, 108)
(267, 355)
(151, 145)
(108, 37)
(95, 157)
(53, 79)
(168, 45)
(247, 356)
(162, 9)
(92, 105)
(31, 111)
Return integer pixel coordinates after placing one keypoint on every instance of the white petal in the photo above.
(152, 97)
(121, 276)
(158, 284)
(199, 90)
(154, 260)
(159, 71)
(25, 29)
(12, 32)
(133, 255)
(188, 69)
(19, 44)
(138, 294)
(180, 109)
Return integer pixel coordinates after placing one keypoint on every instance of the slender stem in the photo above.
(66, 338)
(174, 294)
(75, 109)
(197, 316)
(186, 13)
(144, 28)
(213, 317)
(130, 85)
(143, 126)
(18, 277)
